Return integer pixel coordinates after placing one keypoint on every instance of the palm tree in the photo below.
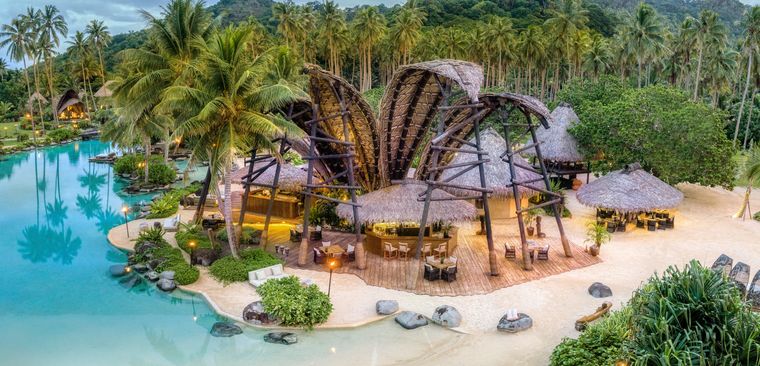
(16, 37)
(288, 21)
(645, 34)
(598, 57)
(230, 107)
(52, 25)
(751, 42)
(407, 29)
(533, 50)
(502, 38)
(708, 30)
(568, 18)
(3, 69)
(80, 49)
(369, 28)
(99, 37)
(751, 174)
(334, 33)
(721, 66)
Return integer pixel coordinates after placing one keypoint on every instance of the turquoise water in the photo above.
(59, 305)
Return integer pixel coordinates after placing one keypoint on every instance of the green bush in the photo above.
(192, 232)
(184, 273)
(127, 164)
(293, 304)
(172, 259)
(168, 204)
(22, 137)
(62, 134)
(249, 236)
(229, 269)
(756, 216)
(153, 235)
(602, 343)
(159, 173)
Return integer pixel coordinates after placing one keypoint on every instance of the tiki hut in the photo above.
(69, 106)
(292, 178)
(33, 99)
(630, 189)
(559, 148)
(105, 90)
(498, 178)
(287, 200)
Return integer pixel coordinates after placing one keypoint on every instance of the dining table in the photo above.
(334, 250)
(441, 265)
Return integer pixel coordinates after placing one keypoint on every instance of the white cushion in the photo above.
(350, 248)
(262, 274)
(277, 270)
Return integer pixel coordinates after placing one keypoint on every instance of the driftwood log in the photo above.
(582, 323)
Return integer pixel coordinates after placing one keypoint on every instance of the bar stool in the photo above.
(389, 251)
(403, 250)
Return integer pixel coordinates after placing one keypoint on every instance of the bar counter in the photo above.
(373, 242)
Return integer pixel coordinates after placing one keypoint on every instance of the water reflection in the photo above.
(10, 162)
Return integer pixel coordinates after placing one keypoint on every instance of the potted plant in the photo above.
(596, 234)
(529, 217)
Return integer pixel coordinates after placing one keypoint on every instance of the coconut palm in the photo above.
(751, 42)
(52, 26)
(289, 23)
(565, 20)
(502, 39)
(369, 27)
(3, 69)
(333, 33)
(15, 37)
(708, 30)
(229, 107)
(750, 173)
(80, 49)
(598, 57)
(99, 37)
(721, 65)
(645, 34)
(406, 30)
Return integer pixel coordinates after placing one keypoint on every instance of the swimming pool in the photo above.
(59, 305)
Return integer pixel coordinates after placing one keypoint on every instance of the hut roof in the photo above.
(496, 170)
(410, 104)
(630, 189)
(68, 98)
(33, 98)
(328, 91)
(105, 90)
(292, 178)
(398, 203)
(557, 142)
(492, 102)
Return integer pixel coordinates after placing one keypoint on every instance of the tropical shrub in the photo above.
(168, 204)
(22, 137)
(159, 173)
(293, 304)
(756, 216)
(127, 164)
(153, 235)
(602, 343)
(248, 236)
(62, 134)
(192, 232)
(228, 269)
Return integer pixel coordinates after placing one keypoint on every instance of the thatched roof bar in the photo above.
(557, 144)
(629, 190)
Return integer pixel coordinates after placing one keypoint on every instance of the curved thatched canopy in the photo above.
(497, 170)
(65, 100)
(328, 92)
(36, 96)
(105, 91)
(557, 144)
(398, 203)
(292, 178)
(629, 190)
(410, 104)
(492, 102)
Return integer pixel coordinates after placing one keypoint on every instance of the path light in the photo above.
(331, 264)
(621, 363)
(192, 244)
(125, 209)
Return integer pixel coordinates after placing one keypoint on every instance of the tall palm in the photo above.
(289, 23)
(406, 30)
(229, 106)
(708, 30)
(532, 50)
(751, 42)
(751, 173)
(645, 34)
(3, 69)
(16, 38)
(52, 26)
(99, 36)
(369, 27)
(80, 49)
(721, 65)
(34, 51)
(333, 32)
(501, 38)
(598, 57)
(565, 20)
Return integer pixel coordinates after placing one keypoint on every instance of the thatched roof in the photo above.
(105, 91)
(410, 104)
(63, 101)
(398, 203)
(292, 178)
(557, 142)
(629, 190)
(497, 170)
(34, 98)
(326, 91)
(492, 103)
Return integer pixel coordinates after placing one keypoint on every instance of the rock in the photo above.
(740, 275)
(152, 276)
(447, 316)
(165, 284)
(167, 275)
(281, 338)
(410, 320)
(145, 247)
(386, 307)
(154, 263)
(254, 313)
(723, 264)
(225, 329)
(205, 256)
(118, 270)
(522, 322)
(599, 290)
(753, 294)
(140, 268)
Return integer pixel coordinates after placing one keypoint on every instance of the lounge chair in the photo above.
(389, 251)
(510, 252)
(172, 224)
(543, 253)
(260, 276)
(319, 257)
(431, 273)
(403, 250)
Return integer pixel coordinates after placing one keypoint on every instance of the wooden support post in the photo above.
(303, 250)
(486, 212)
(527, 264)
(247, 181)
(273, 193)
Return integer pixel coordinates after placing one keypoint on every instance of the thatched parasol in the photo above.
(557, 142)
(629, 190)
(34, 98)
(105, 91)
(497, 170)
(292, 178)
(410, 105)
(398, 203)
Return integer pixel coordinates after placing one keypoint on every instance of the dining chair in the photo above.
(441, 250)
(403, 250)
(390, 251)
(510, 252)
(427, 249)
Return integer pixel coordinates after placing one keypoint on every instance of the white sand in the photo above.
(704, 230)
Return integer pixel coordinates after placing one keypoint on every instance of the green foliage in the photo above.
(249, 236)
(159, 173)
(22, 137)
(184, 273)
(756, 216)
(62, 134)
(228, 269)
(153, 235)
(674, 138)
(168, 204)
(127, 164)
(597, 234)
(172, 259)
(293, 158)
(192, 232)
(323, 211)
(373, 97)
(602, 343)
(293, 304)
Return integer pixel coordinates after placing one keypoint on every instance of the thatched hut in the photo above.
(105, 90)
(630, 189)
(287, 200)
(292, 178)
(33, 99)
(498, 177)
(69, 106)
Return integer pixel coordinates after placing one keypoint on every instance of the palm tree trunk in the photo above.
(749, 119)
(638, 79)
(231, 238)
(49, 71)
(102, 67)
(699, 71)
(744, 97)
(745, 203)
(29, 101)
(147, 158)
(37, 89)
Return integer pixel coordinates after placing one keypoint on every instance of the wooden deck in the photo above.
(473, 270)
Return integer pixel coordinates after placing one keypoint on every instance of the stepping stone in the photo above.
(447, 316)
(285, 338)
(753, 294)
(152, 276)
(740, 276)
(723, 264)
(140, 268)
(386, 307)
(520, 324)
(599, 290)
(225, 329)
(118, 270)
(411, 320)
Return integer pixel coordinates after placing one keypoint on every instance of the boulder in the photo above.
(410, 320)
(152, 276)
(740, 275)
(522, 322)
(225, 329)
(205, 256)
(167, 275)
(146, 246)
(165, 284)
(753, 294)
(140, 268)
(386, 307)
(118, 270)
(254, 313)
(154, 263)
(447, 316)
(599, 290)
(723, 264)
(285, 338)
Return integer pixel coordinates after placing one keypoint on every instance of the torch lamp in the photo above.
(191, 244)
(331, 264)
(125, 209)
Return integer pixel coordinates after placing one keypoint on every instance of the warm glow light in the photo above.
(127, 269)
(191, 244)
(333, 264)
(332, 349)
(124, 209)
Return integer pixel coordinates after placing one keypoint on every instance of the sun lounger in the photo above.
(172, 224)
